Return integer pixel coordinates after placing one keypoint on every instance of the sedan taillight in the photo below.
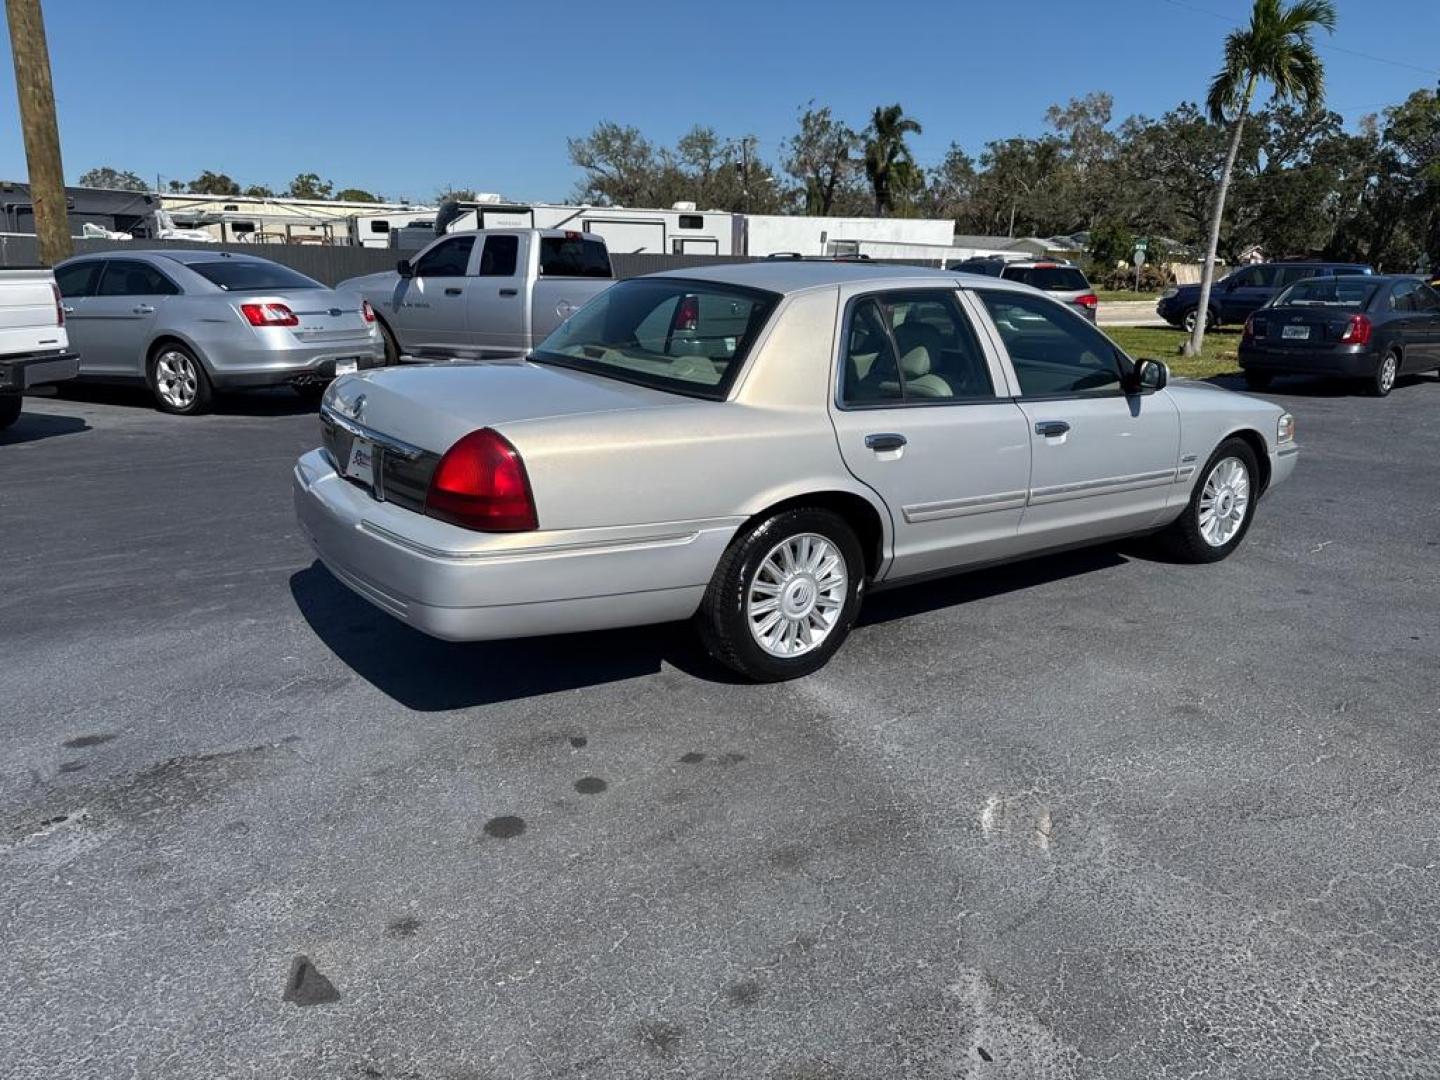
(269, 315)
(481, 484)
(59, 306)
(1357, 331)
(1089, 300)
(366, 311)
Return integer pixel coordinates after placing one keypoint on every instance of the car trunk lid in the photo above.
(1301, 326)
(324, 316)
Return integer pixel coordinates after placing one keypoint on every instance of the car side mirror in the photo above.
(404, 269)
(1150, 375)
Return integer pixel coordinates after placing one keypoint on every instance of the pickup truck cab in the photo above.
(491, 292)
(34, 348)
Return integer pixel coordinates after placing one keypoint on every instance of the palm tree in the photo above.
(1276, 48)
(887, 158)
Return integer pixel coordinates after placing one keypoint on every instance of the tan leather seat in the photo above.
(920, 348)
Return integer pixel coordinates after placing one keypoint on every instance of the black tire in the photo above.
(196, 402)
(1258, 380)
(722, 620)
(392, 347)
(1386, 372)
(1183, 538)
(10, 405)
(1187, 320)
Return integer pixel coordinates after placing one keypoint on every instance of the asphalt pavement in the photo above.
(1092, 816)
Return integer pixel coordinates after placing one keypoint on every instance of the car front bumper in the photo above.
(460, 585)
(1352, 362)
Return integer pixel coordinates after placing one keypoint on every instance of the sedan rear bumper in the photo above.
(460, 585)
(265, 367)
(1354, 362)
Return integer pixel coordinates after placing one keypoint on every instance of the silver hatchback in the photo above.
(189, 323)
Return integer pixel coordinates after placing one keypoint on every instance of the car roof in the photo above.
(799, 275)
(180, 255)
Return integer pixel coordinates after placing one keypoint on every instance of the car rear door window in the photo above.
(1402, 296)
(449, 258)
(1427, 299)
(871, 372)
(1054, 352)
(498, 257)
(78, 279)
(130, 277)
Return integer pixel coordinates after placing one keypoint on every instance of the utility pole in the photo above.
(37, 121)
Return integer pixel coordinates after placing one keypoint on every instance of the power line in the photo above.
(1319, 45)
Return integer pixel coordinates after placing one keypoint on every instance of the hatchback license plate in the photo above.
(347, 365)
(1296, 333)
(361, 465)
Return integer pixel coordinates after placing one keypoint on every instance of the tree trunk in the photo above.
(37, 121)
(1207, 273)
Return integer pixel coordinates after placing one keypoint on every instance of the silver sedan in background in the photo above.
(759, 447)
(188, 323)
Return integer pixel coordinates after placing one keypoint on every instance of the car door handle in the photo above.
(68, 310)
(509, 292)
(143, 309)
(453, 292)
(1051, 428)
(886, 440)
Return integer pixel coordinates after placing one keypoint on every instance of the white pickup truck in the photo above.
(34, 349)
(491, 292)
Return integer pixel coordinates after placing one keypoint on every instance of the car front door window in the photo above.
(450, 258)
(1054, 353)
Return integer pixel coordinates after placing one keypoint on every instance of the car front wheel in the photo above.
(784, 596)
(1220, 509)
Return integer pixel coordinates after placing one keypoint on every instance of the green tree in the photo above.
(621, 166)
(114, 179)
(446, 194)
(951, 190)
(258, 191)
(351, 194)
(821, 159)
(309, 186)
(887, 157)
(213, 183)
(1275, 47)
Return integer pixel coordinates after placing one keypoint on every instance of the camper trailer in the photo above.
(680, 230)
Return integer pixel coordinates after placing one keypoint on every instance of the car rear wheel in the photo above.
(784, 596)
(178, 381)
(1386, 372)
(1220, 509)
(1188, 320)
(9, 409)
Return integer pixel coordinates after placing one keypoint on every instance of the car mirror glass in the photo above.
(1151, 375)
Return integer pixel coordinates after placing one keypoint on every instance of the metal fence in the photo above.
(329, 265)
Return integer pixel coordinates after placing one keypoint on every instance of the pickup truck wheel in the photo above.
(784, 596)
(9, 409)
(1220, 509)
(178, 380)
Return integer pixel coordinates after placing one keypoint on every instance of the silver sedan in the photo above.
(188, 323)
(756, 447)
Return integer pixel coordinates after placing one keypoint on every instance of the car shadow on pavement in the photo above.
(278, 401)
(1315, 386)
(429, 675)
(33, 426)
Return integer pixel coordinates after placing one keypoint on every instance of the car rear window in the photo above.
(690, 337)
(563, 256)
(1049, 278)
(246, 276)
(1354, 293)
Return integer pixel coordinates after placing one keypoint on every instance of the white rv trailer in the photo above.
(773, 234)
(680, 230)
(377, 230)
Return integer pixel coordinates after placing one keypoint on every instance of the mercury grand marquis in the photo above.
(754, 447)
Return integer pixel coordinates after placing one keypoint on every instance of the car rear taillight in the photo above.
(269, 315)
(481, 484)
(1249, 331)
(59, 306)
(687, 314)
(366, 311)
(1088, 300)
(1357, 331)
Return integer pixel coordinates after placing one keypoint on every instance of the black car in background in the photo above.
(1243, 290)
(1372, 328)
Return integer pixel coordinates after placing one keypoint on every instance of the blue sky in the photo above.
(403, 99)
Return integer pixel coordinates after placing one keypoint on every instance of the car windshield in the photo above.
(1354, 293)
(690, 337)
(1049, 278)
(242, 275)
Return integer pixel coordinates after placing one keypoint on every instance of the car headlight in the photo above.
(1168, 293)
(1285, 430)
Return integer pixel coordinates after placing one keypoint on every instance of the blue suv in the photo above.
(1242, 291)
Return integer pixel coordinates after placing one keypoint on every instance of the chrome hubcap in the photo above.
(176, 380)
(796, 596)
(1387, 373)
(1224, 501)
